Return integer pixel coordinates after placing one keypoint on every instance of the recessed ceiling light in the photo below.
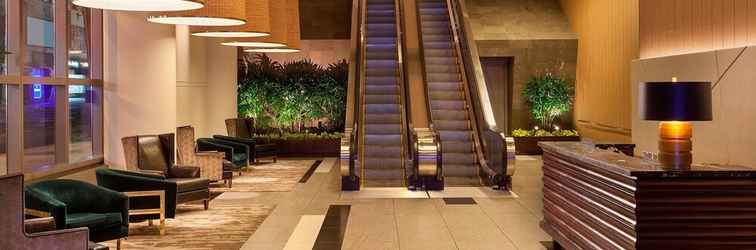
(230, 34)
(272, 50)
(242, 43)
(142, 5)
(215, 13)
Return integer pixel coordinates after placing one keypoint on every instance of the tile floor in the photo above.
(398, 219)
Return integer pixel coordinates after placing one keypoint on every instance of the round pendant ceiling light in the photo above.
(142, 5)
(258, 23)
(277, 38)
(293, 39)
(215, 13)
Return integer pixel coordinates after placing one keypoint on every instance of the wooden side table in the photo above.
(160, 211)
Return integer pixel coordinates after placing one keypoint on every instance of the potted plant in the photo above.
(549, 98)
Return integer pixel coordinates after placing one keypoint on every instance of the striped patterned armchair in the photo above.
(210, 163)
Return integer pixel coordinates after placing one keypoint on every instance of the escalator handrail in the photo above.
(351, 140)
(471, 108)
(400, 50)
(409, 142)
(497, 145)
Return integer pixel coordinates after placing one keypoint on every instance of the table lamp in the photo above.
(675, 104)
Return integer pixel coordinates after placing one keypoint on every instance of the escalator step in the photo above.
(378, 99)
(382, 151)
(382, 90)
(383, 118)
(444, 77)
(439, 115)
(445, 86)
(455, 135)
(446, 95)
(452, 125)
(385, 140)
(447, 105)
(460, 170)
(383, 129)
(457, 147)
(382, 108)
(384, 167)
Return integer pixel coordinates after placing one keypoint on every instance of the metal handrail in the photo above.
(408, 152)
(398, 8)
(493, 148)
(350, 141)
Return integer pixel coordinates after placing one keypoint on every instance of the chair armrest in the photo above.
(207, 144)
(111, 201)
(237, 146)
(39, 225)
(150, 173)
(246, 141)
(215, 154)
(43, 202)
(184, 172)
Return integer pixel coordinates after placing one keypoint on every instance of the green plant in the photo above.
(565, 132)
(521, 133)
(549, 98)
(292, 95)
(542, 132)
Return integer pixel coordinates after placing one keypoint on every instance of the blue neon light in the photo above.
(37, 92)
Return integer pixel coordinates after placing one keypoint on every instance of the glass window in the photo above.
(3, 40)
(3, 130)
(39, 126)
(81, 101)
(39, 60)
(78, 51)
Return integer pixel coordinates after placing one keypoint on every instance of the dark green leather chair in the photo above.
(240, 130)
(236, 153)
(76, 204)
(127, 181)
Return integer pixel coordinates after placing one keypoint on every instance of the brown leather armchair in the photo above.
(155, 154)
(240, 130)
(12, 231)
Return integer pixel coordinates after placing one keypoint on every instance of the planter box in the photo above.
(308, 148)
(529, 145)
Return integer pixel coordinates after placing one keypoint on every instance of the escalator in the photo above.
(378, 149)
(418, 114)
(473, 153)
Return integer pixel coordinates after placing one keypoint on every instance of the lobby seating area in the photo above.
(377, 124)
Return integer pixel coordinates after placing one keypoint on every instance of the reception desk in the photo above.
(598, 199)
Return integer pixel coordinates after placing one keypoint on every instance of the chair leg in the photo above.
(275, 159)
(149, 222)
(230, 183)
(207, 204)
(118, 244)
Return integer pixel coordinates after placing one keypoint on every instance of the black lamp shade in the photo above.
(676, 101)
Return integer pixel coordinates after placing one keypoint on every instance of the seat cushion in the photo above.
(93, 221)
(239, 157)
(190, 184)
(265, 147)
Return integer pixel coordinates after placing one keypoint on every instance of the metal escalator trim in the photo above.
(402, 91)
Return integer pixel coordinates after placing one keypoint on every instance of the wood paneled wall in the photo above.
(607, 44)
(675, 27)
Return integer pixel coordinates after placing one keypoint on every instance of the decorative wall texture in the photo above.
(674, 27)
(728, 138)
(607, 43)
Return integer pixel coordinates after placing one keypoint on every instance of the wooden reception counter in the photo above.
(598, 199)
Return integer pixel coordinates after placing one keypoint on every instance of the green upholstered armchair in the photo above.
(236, 153)
(12, 234)
(240, 131)
(76, 204)
(127, 181)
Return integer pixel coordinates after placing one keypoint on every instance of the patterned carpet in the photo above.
(227, 225)
(269, 177)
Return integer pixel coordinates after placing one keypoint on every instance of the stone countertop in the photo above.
(638, 167)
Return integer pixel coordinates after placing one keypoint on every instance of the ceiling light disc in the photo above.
(141, 5)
